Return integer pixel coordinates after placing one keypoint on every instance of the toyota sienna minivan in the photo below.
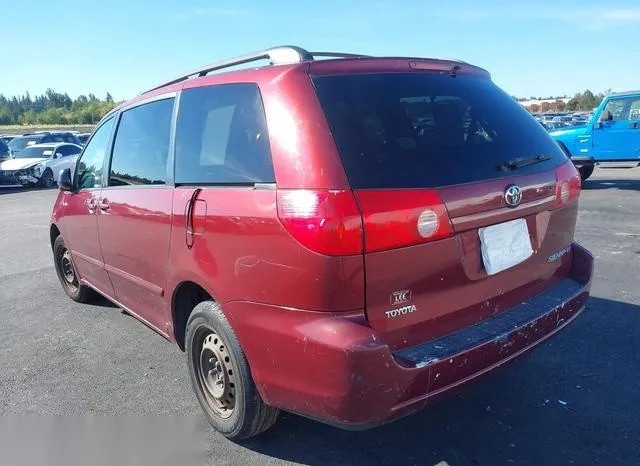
(340, 236)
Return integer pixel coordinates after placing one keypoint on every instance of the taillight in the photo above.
(327, 222)
(397, 218)
(567, 184)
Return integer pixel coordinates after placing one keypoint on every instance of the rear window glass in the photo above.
(426, 130)
(20, 143)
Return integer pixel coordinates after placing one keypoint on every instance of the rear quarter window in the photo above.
(221, 136)
(419, 130)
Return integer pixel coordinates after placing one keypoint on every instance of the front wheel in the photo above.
(585, 171)
(46, 180)
(221, 377)
(67, 275)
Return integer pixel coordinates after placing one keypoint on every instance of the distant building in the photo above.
(545, 105)
(527, 103)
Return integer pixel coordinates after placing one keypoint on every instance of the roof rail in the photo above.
(625, 93)
(276, 56)
(339, 55)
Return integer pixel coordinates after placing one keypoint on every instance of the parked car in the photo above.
(612, 134)
(345, 238)
(6, 138)
(41, 137)
(4, 150)
(84, 137)
(553, 125)
(38, 164)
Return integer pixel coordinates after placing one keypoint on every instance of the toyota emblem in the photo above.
(512, 195)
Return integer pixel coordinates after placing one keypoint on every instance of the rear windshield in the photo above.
(427, 130)
(20, 143)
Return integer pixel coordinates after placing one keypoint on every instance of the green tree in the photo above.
(53, 108)
(587, 100)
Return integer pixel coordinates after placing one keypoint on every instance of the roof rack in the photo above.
(276, 56)
(625, 93)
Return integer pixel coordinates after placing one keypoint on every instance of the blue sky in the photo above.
(123, 46)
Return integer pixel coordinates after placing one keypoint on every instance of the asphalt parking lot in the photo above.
(576, 400)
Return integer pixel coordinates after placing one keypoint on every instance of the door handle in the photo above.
(634, 125)
(103, 204)
(91, 204)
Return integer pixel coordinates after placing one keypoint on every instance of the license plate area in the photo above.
(505, 245)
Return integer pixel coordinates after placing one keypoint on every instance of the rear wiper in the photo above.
(514, 164)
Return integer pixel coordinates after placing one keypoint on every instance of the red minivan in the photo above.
(339, 236)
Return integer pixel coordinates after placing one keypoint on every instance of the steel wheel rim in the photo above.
(67, 270)
(215, 374)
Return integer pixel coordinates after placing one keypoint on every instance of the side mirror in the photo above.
(605, 116)
(57, 155)
(64, 180)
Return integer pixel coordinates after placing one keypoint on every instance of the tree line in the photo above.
(585, 101)
(53, 108)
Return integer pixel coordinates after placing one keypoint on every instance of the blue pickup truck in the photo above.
(612, 134)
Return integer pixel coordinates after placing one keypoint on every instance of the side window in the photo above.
(68, 150)
(634, 109)
(141, 145)
(221, 136)
(89, 167)
(619, 109)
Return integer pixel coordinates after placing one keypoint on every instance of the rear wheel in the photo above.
(221, 377)
(585, 171)
(46, 180)
(67, 274)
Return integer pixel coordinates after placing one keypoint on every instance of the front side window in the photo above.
(622, 109)
(221, 136)
(141, 145)
(89, 168)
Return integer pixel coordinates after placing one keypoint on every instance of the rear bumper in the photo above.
(335, 368)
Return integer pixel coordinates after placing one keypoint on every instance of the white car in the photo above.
(39, 164)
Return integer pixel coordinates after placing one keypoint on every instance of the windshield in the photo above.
(425, 130)
(35, 152)
(20, 143)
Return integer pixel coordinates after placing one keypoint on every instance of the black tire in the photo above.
(249, 415)
(68, 276)
(585, 171)
(46, 179)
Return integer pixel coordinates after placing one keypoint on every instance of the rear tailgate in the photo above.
(446, 279)
(459, 143)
